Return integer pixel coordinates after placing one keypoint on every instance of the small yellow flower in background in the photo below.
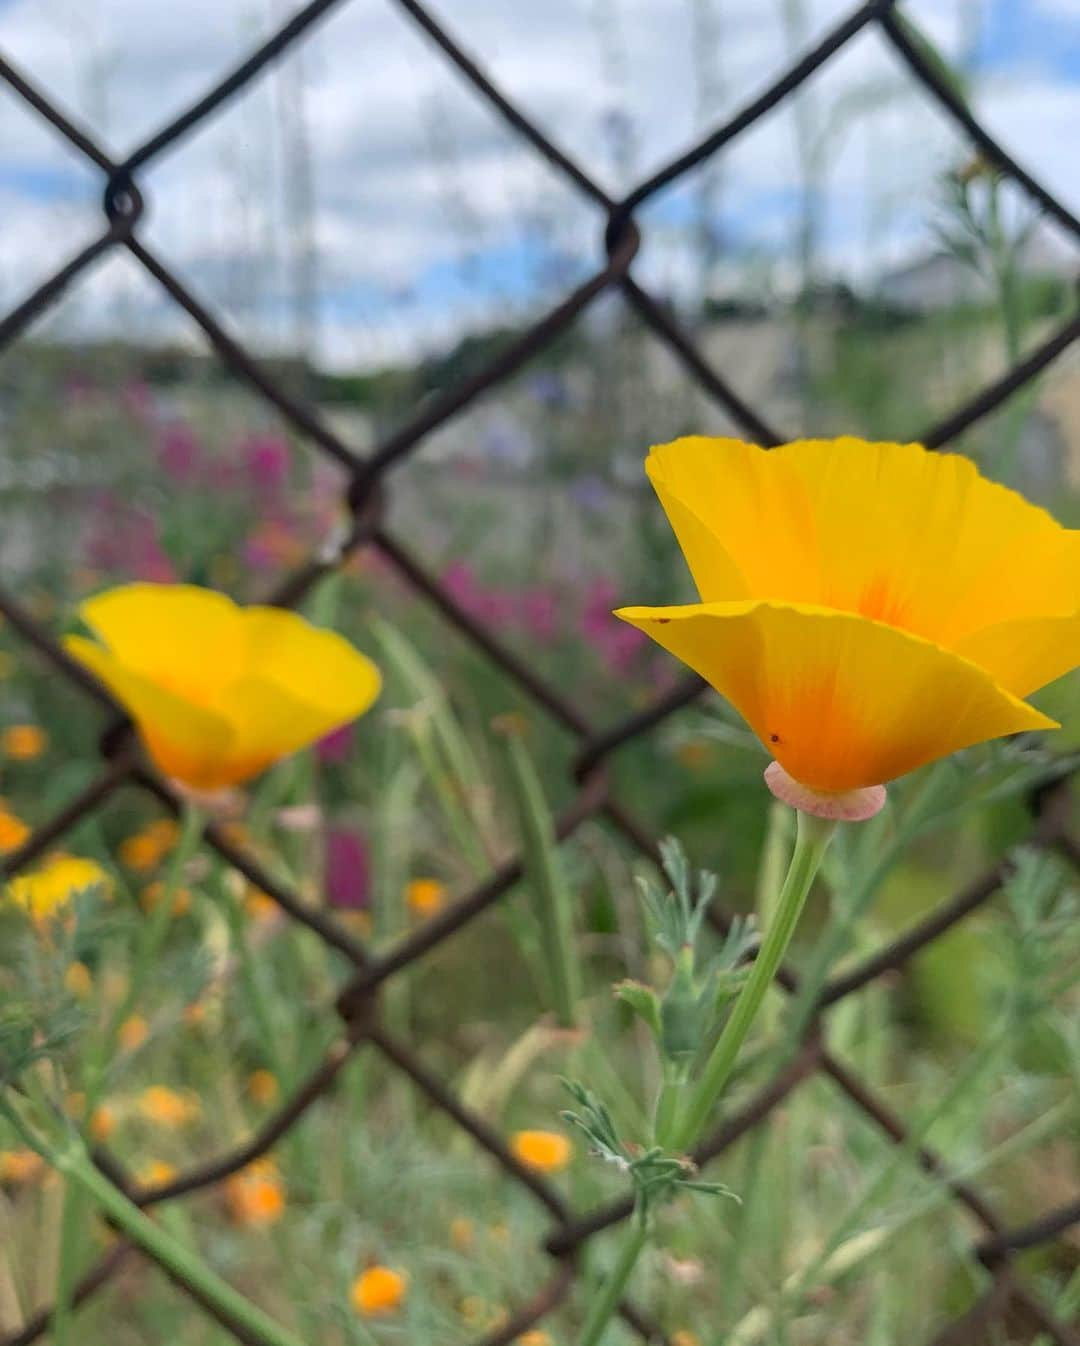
(263, 1086)
(102, 1123)
(52, 887)
(274, 685)
(19, 1168)
(377, 1291)
(156, 1173)
(425, 896)
(77, 980)
(194, 1014)
(133, 1033)
(462, 1234)
(684, 1337)
(168, 1107)
(23, 742)
(866, 607)
(536, 1336)
(154, 892)
(256, 1195)
(13, 832)
(545, 1151)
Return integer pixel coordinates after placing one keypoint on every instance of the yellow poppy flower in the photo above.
(219, 692)
(545, 1151)
(866, 607)
(378, 1291)
(46, 890)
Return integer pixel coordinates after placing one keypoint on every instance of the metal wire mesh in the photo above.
(1008, 1299)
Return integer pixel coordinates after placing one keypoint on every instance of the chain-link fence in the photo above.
(1008, 1304)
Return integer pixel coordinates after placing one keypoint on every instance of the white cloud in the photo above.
(413, 178)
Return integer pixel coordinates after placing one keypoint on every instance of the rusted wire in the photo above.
(365, 496)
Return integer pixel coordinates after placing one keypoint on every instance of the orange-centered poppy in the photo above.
(866, 607)
(219, 692)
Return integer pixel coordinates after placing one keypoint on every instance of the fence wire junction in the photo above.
(1008, 1302)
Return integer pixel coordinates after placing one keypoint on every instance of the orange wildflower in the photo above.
(102, 1123)
(13, 832)
(154, 892)
(867, 608)
(260, 906)
(156, 1173)
(23, 742)
(425, 896)
(274, 685)
(545, 1151)
(168, 1107)
(256, 1195)
(377, 1291)
(19, 1168)
(141, 851)
(263, 1086)
(133, 1033)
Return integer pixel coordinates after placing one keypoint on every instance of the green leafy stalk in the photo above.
(151, 938)
(812, 840)
(547, 883)
(186, 1266)
(606, 1302)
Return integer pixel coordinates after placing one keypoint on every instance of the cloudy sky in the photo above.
(359, 197)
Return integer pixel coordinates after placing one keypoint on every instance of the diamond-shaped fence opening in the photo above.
(369, 478)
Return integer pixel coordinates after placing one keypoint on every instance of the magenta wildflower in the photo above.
(348, 872)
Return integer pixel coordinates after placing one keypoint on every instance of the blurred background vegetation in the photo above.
(871, 300)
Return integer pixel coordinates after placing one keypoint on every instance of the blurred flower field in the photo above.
(374, 1219)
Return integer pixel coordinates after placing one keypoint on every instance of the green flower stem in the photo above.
(180, 1262)
(151, 937)
(67, 1259)
(668, 1105)
(607, 1301)
(811, 842)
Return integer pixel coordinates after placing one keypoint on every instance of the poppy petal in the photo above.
(839, 700)
(179, 635)
(893, 532)
(186, 742)
(310, 664)
(1027, 654)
